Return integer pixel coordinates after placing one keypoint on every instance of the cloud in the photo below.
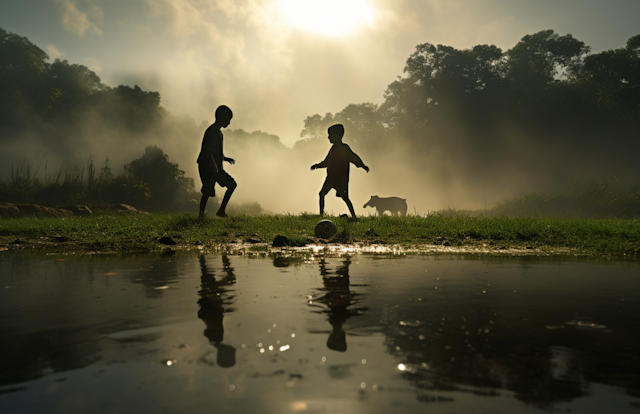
(247, 54)
(93, 64)
(79, 22)
(229, 52)
(53, 52)
(185, 18)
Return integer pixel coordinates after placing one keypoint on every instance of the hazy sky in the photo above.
(275, 62)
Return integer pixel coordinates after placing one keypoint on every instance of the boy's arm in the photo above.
(322, 164)
(227, 159)
(357, 161)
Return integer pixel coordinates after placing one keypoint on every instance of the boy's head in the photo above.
(223, 116)
(336, 132)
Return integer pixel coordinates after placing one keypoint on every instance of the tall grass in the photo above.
(72, 183)
(36, 183)
(590, 200)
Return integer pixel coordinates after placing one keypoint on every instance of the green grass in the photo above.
(117, 233)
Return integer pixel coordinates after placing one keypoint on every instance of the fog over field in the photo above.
(450, 104)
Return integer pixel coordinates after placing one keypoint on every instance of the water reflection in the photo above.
(216, 298)
(94, 328)
(540, 342)
(158, 275)
(336, 300)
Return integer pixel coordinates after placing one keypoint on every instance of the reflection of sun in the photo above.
(327, 17)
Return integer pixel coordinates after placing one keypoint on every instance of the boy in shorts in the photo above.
(210, 163)
(337, 165)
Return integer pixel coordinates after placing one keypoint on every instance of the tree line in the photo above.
(482, 120)
(546, 108)
(35, 93)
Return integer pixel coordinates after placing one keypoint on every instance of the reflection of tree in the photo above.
(337, 299)
(456, 346)
(216, 299)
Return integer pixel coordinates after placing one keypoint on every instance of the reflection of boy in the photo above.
(213, 298)
(338, 299)
(210, 162)
(337, 165)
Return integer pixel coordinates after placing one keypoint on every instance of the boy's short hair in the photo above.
(223, 111)
(337, 129)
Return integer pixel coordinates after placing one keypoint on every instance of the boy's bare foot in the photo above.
(221, 214)
(201, 216)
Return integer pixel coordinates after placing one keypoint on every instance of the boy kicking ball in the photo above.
(337, 165)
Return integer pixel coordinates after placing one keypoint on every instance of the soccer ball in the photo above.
(325, 229)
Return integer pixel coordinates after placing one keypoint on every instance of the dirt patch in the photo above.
(119, 208)
(9, 210)
(20, 210)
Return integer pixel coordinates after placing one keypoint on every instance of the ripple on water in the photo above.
(588, 325)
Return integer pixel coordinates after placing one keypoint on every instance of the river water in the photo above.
(362, 333)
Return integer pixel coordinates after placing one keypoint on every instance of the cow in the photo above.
(394, 205)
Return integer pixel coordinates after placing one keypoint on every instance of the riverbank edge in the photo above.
(52, 247)
(117, 234)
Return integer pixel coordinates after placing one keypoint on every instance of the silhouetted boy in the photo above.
(210, 162)
(337, 165)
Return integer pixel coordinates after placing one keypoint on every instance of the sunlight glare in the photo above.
(327, 17)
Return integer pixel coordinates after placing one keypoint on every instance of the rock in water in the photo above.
(325, 229)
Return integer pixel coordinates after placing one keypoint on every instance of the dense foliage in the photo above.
(36, 94)
(169, 188)
(546, 108)
(150, 182)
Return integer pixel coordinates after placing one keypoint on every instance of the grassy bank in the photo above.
(116, 233)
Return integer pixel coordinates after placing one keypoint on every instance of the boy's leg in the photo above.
(231, 187)
(225, 180)
(203, 205)
(207, 191)
(343, 193)
(323, 192)
(350, 205)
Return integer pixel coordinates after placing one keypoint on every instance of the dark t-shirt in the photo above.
(337, 163)
(212, 144)
(338, 160)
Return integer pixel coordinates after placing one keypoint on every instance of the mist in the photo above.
(459, 128)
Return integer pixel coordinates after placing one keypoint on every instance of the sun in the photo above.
(327, 17)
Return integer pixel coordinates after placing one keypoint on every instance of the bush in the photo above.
(170, 189)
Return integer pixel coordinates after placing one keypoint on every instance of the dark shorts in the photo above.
(342, 188)
(223, 179)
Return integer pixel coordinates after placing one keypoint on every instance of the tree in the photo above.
(23, 73)
(443, 82)
(69, 91)
(537, 59)
(315, 126)
(170, 189)
(58, 97)
(611, 80)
